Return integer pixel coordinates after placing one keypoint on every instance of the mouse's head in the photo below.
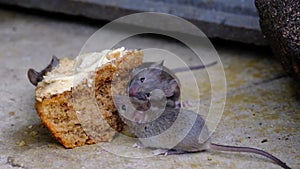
(148, 77)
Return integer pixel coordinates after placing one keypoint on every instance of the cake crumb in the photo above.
(11, 113)
(34, 133)
(21, 143)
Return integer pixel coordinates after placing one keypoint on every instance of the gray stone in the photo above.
(235, 20)
(280, 23)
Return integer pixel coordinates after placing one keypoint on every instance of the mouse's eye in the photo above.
(147, 94)
(142, 79)
(123, 107)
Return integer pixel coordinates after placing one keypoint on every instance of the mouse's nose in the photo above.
(133, 90)
(141, 96)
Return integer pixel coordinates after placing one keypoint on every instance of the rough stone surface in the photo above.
(262, 108)
(235, 20)
(280, 22)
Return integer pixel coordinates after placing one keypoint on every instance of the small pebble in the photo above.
(13, 163)
(11, 113)
(33, 133)
(21, 143)
(263, 141)
(12, 99)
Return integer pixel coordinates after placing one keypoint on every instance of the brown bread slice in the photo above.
(84, 112)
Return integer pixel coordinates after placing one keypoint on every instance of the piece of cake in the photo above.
(74, 100)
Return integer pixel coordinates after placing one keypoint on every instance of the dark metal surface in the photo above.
(235, 20)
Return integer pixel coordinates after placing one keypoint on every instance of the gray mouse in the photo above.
(155, 130)
(35, 77)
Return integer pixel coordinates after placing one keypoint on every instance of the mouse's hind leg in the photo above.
(166, 152)
(138, 145)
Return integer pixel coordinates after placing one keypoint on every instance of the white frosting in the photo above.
(84, 64)
(90, 61)
(70, 73)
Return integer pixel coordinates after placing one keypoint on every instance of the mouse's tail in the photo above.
(218, 147)
(197, 67)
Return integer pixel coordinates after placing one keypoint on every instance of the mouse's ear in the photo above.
(55, 61)
(158, 65)
(34, 76)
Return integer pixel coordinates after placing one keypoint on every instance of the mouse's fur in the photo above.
(155, 123)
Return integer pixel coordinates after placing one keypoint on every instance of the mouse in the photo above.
(35, 77)
(151, 128)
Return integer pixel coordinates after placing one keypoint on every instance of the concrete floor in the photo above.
(262, 108)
